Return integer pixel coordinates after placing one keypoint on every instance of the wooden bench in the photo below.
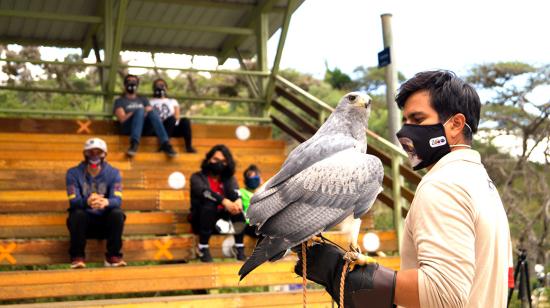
(315, 299)
(193, 276)
(33, 216)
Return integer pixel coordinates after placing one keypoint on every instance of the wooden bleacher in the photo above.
(34, 156)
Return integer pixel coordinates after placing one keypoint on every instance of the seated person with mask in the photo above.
(252, 180)
(133, 112)
(169, 111)
(214, 196)
(94, 189)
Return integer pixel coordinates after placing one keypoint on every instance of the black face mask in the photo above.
(216, 168)
(425, 144)
(159, 92)
(131, 87)
(252, 182)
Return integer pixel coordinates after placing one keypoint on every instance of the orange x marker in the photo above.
(84, 127)
(163, 249)
(5, 253)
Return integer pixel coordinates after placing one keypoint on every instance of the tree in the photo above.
(523, 184)
(372, 78)
(338, 79)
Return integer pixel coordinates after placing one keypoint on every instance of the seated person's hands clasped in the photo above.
(96, 201)
(232, 207)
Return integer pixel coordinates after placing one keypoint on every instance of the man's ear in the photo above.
(458, 121)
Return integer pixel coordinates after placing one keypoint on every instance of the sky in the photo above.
(427, 34)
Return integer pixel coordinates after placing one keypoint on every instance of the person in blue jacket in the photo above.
(94, 189)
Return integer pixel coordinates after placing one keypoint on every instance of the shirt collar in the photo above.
(468, 155)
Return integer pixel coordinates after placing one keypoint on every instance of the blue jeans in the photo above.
(134, 125)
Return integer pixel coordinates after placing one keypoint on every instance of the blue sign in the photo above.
(384, 57)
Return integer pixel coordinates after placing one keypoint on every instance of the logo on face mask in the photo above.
(438, 141)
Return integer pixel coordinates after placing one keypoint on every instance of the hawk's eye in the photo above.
(352, 97)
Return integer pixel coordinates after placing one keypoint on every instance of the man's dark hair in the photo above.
(130, 76)
(229, 170)
(251, 168)
(158, 80)
(449, 95)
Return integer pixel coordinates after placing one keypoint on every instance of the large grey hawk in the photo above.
(324, 180)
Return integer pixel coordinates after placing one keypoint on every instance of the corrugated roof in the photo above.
(41, 22)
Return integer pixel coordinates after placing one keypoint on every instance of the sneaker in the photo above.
(204, 255)
(77, 263)
(132, 150)
(168, 149)
(114, 262)
(190, 150)
(239, 253)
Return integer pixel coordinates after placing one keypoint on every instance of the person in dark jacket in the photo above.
(215, 195)
(94, 189)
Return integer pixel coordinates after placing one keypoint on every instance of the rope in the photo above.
(343, 282)
(304, 273)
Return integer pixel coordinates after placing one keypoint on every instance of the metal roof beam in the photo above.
(249, 22)
(190, 27)
(88, 43)
(39, 42)
(52, 16)
(207, 4)
(117, 44)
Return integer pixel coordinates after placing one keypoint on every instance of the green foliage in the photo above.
(338, 79)
(372, 78)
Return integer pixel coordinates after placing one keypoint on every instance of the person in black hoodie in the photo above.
(215, 195)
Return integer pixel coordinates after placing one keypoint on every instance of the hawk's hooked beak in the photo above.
(363, 101)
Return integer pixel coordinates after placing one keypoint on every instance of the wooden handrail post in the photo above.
(396, 161)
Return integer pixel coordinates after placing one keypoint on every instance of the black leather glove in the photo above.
(370, 286)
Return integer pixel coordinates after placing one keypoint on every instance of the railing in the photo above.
(308, 117)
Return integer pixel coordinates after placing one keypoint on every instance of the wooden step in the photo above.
(133, 279)
(16, 226)
(33, 201)
(160, 248)
(315, 299)
(153, 179)
(106, 127)
(140, 158)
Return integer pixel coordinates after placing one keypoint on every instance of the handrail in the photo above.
(395, 149)
(107, 115)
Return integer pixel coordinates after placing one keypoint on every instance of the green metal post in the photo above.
(396, 195)
(282, 39)
(261, 44)
(117, 44)
(107, 49)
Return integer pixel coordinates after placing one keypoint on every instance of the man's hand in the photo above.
(96, 201)
(371, 285)
(93, 198)
(100, 203)
(148, 109)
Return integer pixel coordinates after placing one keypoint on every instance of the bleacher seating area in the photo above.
(158, 243)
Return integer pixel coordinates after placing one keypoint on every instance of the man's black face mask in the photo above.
(131, 87)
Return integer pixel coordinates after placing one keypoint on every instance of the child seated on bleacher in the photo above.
(252, 180)
(94, 189)
(215, 195)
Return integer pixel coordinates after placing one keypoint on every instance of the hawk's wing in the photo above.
(308, 153)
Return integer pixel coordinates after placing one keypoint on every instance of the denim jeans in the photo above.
(134, 125)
